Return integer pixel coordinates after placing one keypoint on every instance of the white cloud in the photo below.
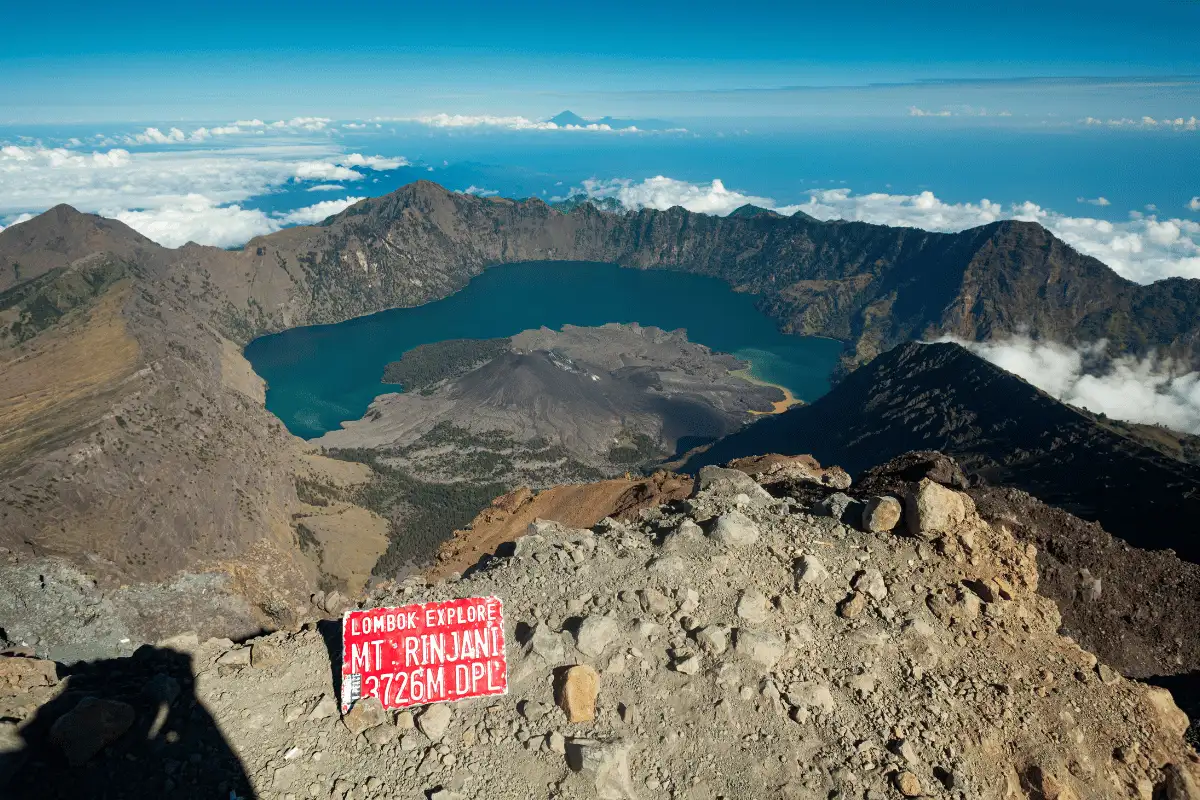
(374, 162)
(196, 218)
(180, 194)
(1143, 248)
(1194, 204)
(913, 111)
(313, 214)
(326, 187)
(155, 136)
(1150, 390)
(515, 123)
(1095, 201)
(325, 171)
(478, 191)
(34, 178)
(662, 193)
(16, 220)
(1146, 122)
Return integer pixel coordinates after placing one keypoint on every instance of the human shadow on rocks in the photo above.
(331, 633)
(125, 728)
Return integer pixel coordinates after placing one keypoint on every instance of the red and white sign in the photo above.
(424, 653)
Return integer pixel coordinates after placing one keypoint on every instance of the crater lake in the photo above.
(322, 375)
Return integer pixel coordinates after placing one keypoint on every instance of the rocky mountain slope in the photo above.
(135, 451)
(1000, 428)
(144, 488)
(730, 645)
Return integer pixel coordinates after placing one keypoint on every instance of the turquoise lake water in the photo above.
(320, 376)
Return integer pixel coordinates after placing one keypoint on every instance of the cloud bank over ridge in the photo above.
(1150, 390)
(1143, 249)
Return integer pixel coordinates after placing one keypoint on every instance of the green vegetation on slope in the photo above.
(428, 364)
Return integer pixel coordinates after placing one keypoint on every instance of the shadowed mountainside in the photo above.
(1000, 428)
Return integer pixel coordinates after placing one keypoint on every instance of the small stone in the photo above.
(235, 658)
(753, 606)
(881, 514)
(91, 726)
(366, 713)
(556, 742)
(434, 720)
(264, 654)
(871, 582)
(713, 639)
(548, 644)
(655, 602)
(326, 707)
(404, 721)
(1108, 676)
(811, 570)
(908, 784)
(577, 693)
(734, 529)
(763, 649)
(688, 665)
(853, 605)
(595, 634)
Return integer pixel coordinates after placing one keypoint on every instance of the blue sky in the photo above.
(221, 121)
(131, 62)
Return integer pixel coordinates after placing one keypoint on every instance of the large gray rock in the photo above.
(734, 529)
(932, 509)
(729, 483)
(606, 763)
(595, 634)
(90, 727)
(840, 506)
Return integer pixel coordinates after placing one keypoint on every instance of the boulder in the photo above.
(932, 509)
(91, 726)
(728, 483)
(840, 506)
(881, 514)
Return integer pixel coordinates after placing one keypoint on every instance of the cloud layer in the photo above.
(1143, 248)
(507, 123)
(195, 218)
(1150, 390)
(176, 195)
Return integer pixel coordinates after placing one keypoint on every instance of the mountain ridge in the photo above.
(941, 397)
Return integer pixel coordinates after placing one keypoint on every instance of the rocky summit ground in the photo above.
(731, 644)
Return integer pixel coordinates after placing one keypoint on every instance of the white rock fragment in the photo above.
(734, 529)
